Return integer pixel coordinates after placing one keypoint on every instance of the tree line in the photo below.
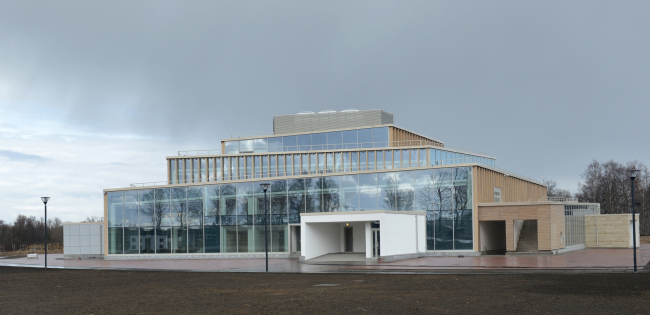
(608, 184)
(29, 230)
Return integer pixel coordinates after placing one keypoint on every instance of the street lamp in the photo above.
(265, 187)
(633, 174)
(45, 200)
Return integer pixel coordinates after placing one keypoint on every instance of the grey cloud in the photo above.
(19, 156)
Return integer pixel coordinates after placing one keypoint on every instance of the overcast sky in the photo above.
(94, 94)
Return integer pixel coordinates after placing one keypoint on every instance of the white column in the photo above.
(369, 244)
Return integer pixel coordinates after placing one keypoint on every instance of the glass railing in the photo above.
(322, 147)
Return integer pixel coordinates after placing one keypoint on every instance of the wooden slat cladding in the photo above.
(513, 189)
(403, 138)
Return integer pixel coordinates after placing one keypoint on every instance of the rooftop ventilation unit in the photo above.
(350, 110)
(306, 113)
(327, 111)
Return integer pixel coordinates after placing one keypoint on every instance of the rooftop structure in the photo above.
(327, 120)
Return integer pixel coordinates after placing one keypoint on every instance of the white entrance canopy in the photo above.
(402, 232)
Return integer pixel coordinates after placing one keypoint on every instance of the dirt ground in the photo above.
(30, 290)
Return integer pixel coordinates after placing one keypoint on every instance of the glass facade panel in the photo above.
(349, 139)
(281, 166)
(290, 143)
(226, 168)
(463, 229)
(179, 206)
(260, 145)
(204, 170)
(304, 142)
(349, 197)
(354, 161)
(387, 189)
(334, 140)
(444, 233)
(115, 223)
(365, 138)
(179, 240)
(246, 146)
(275, 144)
(218, 175)
(279, 239)
(161, 208)
(163, 240)
(346, 161)
(188, 171)
(331, 193)
(305, 164)
(314, 194)
(414, 158)
(241, 163)
(132, 240)
(404, 191)
(443, 196)
(257, 167)
(131, 230)
(195, 171)
(232, 147)
(423, 157)
(380, 137)
(272, 170)
(319, 141)
(424, 190)
(321, 163)
(368, 192)
(296, 197)
(249, 167)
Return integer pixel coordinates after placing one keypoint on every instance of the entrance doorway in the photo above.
(375, 243)
(349, 240)
(295, 238)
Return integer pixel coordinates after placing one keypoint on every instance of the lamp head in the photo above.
(265, 186)
(45, 199)
(633, 173)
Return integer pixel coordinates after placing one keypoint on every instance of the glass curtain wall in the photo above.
(229, 218)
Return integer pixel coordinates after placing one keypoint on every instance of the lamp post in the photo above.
(45, 200)
(633, 174)
(265, 187)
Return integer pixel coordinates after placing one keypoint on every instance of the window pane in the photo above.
(210, 175)
(211, 205)
(115, 209)
(443, 189)
(463, 229)
(249, 167)
(228, 201)
(162, 213)
(131, 240)
(163, 240)
(404, 195)
(195, 205)
(232, 147)
(246, 146)
(380, 137)
(430, 231)
(350, 193)
(462, 188)
(368, 192)
(338, 163)
(305, 164)
(443, 230)
(354, 161)
(297, 193)
(387, 188)
(275, 144)
(334, 140)
(260, 145)
(397, 159)
(131, 208)
(349, 139)
(321, 163)
(371, 160)
(242, 167)
(179, 206)
(245, 201)
(212, 238)
(195, 171)
(424, 190)
(365, 138)
(179, 240)
(195, 239)
(314, 195)
(146, 214)
(304, 141)
(331, 193)
(217, 162)
(278, 195)
(414, 158)
(147, 239)
(319, 141)
(268, 166)
(423, 157)
(281, 165)
(188, 171)
(279, 238)
(290, 143)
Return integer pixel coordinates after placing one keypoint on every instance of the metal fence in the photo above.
(574, 222)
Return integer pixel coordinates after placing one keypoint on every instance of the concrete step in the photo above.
(528, 238)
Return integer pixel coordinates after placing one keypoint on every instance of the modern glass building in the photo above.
(360, 184)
